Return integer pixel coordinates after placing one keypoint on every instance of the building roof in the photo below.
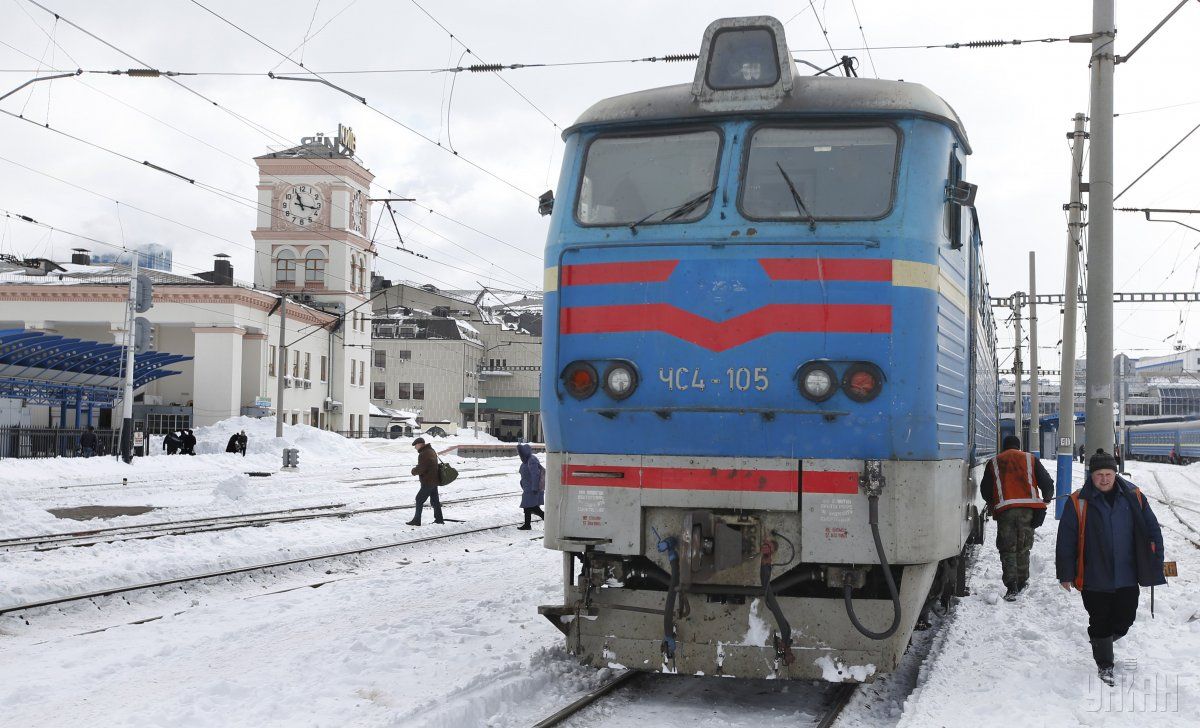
(108, 273)
(51, 359)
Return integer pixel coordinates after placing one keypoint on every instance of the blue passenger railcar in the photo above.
(769, 381)
(1164, 442)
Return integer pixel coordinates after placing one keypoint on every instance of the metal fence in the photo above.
(38, 442)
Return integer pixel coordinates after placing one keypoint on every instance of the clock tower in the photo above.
(310, 245)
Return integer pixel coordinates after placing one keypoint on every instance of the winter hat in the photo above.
(1012, 442)
(1102, 461)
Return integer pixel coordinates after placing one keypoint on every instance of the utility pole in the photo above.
(281, 367)
(1035, 435)
(1019, 405)
(1066, 391)
(1099, 411)
(127, 399)
(1121, 395)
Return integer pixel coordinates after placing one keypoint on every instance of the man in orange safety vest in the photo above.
(1010, 487)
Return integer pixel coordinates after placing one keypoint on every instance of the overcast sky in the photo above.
(1016, 102)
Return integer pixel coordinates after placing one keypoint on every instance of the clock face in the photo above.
(358, 211)
(302, 205)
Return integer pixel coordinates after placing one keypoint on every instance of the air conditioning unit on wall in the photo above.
(287, 381)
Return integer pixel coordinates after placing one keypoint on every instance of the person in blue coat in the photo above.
(533, 485)
(1109, 545)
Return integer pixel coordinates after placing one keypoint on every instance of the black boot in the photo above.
(1102, 653)
(412, 523)
(1011, 594)
(525, 527)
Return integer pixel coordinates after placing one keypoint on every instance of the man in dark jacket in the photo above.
(189, 443)
(1109, 544)
(87, 442)
(171, 443)
(427, 472)
(1010, 487)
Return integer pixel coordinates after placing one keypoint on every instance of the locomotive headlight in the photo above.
(620, 380)
(817, 381)
(580, 380)
(862, 381)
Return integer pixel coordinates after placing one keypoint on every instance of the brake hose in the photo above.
(873, 511)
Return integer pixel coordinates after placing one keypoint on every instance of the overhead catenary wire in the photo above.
(863, 33)
(377, 110)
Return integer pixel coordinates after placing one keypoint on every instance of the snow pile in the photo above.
(833, 670)
(231, 488)
(315, 445)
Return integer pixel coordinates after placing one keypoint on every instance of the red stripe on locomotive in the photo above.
(722, 335)
(659, 478)
(827, 269)
(595, 274)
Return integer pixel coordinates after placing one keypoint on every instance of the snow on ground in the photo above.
(1029, 662)
(446, 633)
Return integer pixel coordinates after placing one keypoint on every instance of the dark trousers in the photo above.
(430, 493)
(535, 511)
(1110, 614)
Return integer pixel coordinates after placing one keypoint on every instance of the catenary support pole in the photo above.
(1018, 368)
(1035, 434)
(1099, 411)
(280, 368)
(1066, 391)
(127, 399)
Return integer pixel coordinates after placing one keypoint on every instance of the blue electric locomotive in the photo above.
(769, 382)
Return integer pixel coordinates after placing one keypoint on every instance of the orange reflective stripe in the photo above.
(1081, 516)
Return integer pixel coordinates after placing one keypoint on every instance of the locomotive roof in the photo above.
(810, 95)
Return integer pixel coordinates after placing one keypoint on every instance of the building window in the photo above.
(324, 375)
(404, 391)
(418, 390)
(380, 359)
(404, 354)
(271, 362)
(362, 373)
(353, 273)
(378, 391)
(314, 267)
(307, 365)
(285, 267)
(353, 373)
(296, 364)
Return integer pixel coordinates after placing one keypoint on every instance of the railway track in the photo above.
(144, 586)
(837, 700)
(1171, 505)
(50, 542)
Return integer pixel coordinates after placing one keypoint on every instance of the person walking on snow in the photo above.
(1109, 544)
(426, 471)
(533, 485)
(1010, 489)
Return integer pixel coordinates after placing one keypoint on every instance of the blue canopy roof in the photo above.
(35, 357)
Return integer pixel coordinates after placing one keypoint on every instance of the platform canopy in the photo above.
(50, 369)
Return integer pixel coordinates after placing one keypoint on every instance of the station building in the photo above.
(309, 247)
(447, 354)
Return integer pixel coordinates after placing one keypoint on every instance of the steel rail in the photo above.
(240, 570)
(228, 525)
(841, 698)
(619, 681)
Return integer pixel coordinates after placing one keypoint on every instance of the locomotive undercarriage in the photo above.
(733, 591)
(729, 629)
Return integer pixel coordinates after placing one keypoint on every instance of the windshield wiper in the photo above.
(678, 211)
(800, 206)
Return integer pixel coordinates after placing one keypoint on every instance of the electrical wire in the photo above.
(823, 31)
(863, 33)
(382, 113)
(259, 128)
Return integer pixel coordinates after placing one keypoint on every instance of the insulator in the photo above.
(144, 72)
(680, 57)
(484, 67)
(984, 43)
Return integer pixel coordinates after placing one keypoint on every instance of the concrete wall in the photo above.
(445, 367)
